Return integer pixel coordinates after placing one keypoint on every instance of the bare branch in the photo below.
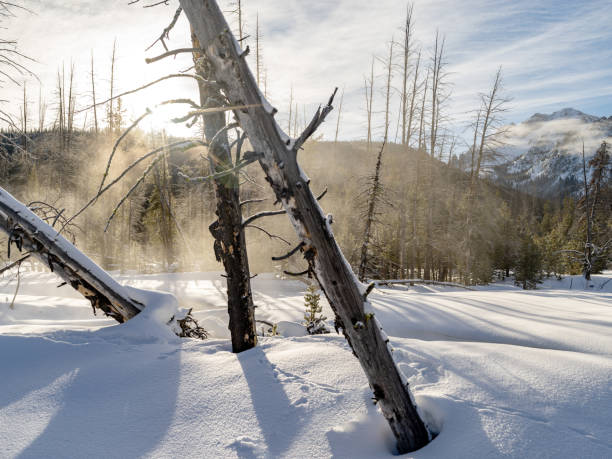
(259, 215)
(125, 133)
(204, 111)
(174, 52)
(131, 190)
(271, 236)
(175, 145)
(236, 168)
(159, 80)
(314, 124)
(303, 273)
(165, 35)
(15, 263)
(251, 201)
(271, 213)
(290, 253)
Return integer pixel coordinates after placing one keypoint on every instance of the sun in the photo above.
(161, 117)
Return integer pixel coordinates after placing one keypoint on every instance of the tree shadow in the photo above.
(279, 419)
(119, 398)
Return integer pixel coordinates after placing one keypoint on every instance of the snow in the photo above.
(564, 113)
(498, 372)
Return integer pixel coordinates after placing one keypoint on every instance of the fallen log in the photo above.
(29, 233)
(419, 281)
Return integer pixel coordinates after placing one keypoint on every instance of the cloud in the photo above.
(553, 53)
(565, 135)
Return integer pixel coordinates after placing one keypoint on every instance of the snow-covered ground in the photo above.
(499, 372)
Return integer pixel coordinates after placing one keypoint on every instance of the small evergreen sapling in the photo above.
(315, 321)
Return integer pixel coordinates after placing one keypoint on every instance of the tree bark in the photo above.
(228, 231)
(320, 249)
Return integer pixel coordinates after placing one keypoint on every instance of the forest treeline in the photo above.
(403, 204)
(430, 223)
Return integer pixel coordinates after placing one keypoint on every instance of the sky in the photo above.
(554, 54)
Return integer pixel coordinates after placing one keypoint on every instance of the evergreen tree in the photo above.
(315, 321)
(527, 271)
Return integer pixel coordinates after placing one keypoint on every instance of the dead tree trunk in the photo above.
(93, 94)
(338, 120)
(373, 195)
(291, 186)
(588, 262)
(24, 121)
(388, 91)
(369, 95)
(407, 44)
(111, 112)
(228, 231)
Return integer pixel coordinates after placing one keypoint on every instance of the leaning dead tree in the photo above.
(27, 232)
(325, 260)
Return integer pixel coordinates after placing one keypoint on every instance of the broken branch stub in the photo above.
(292, 189)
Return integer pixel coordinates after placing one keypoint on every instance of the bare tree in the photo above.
(240, 23)
(373, 194)
(42, 110)
(369, 96)
(437, 81)
(588, 260)
(11, 68)
(258, 63)
(325, 260)
(422, 137)
(339, 115)
(61, 114)
(437, 75)
(111, 110)
(24, 119)
(413, 99)
(493, 105)
(405, 74)
(388, 91)
(374, 190)
(488, 134)
(290, 111)
(93, 94)
(228, 230)
(70, 107)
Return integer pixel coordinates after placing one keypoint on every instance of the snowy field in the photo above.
(498, 371)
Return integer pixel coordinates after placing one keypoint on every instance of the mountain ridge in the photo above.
(543, 154)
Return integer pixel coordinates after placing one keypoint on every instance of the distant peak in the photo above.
(564, 113)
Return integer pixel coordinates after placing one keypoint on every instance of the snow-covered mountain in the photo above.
(543, 155)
